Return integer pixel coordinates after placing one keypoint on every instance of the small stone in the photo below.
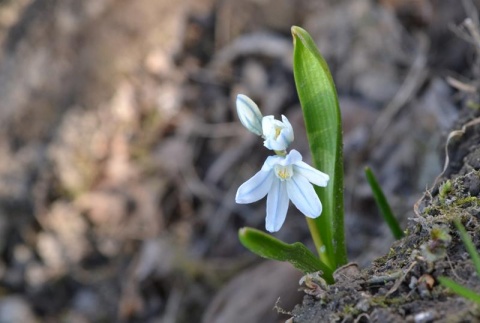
(413, 282)
(424, 317)
(428, 280)
(349, 271)
(474, 185)
(363, 305)
(87, 303)
(16, 309)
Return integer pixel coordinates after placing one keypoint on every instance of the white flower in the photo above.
(249, 114)
(283, 179)
(278, 134)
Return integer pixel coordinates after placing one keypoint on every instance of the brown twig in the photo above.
(400, 281)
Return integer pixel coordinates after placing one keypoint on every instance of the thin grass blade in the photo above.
(459, 289)
(467, 241)
(383, 205)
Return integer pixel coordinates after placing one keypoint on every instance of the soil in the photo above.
(120, 156)
(402, 286)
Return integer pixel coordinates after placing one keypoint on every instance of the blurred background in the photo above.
(121, 152)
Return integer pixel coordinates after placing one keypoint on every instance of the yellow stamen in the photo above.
(283, 172)
(278, 130)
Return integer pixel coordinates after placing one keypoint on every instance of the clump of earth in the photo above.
(403, 286)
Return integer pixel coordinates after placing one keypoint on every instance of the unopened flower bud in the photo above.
(249, 114)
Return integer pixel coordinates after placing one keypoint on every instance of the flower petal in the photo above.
(277, 206)
(282, 141)
(313, 175)
(278, 135)
(274, 144)
(303, 196)
(255, 188)
(293, 157)
(288, 129)
(271, 161)
(268, 126)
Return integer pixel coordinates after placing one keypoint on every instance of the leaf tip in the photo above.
(300, 33)
(297, 30)
(294, 30)
(246, 233)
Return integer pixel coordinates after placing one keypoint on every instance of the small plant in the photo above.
(316, 191)
(436, 247)
(472, 251)
(444, 189)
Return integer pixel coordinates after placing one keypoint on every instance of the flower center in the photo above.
(278, 130)
(283, 172)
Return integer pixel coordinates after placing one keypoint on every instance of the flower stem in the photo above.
(317, 240)
(281, 153)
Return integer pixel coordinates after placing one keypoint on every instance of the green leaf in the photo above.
(459, 289)
(266, 246)
(383, 205)
(467, 241)
(321, 113)
(472, 251)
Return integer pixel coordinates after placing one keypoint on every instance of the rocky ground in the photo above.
(403, 286)
(121, 155)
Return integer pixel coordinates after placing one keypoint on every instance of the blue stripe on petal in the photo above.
(303, 196)
(293, 157)
(311, 174)
(277, 206)
(255, 188)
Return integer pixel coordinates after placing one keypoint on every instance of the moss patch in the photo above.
(401, 286)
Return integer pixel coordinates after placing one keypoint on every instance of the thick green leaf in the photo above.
(467, 241)
(297, 254)
(321, 112)
(383, 205)
(459, 289)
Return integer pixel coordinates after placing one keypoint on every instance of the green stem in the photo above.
(317, 240)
